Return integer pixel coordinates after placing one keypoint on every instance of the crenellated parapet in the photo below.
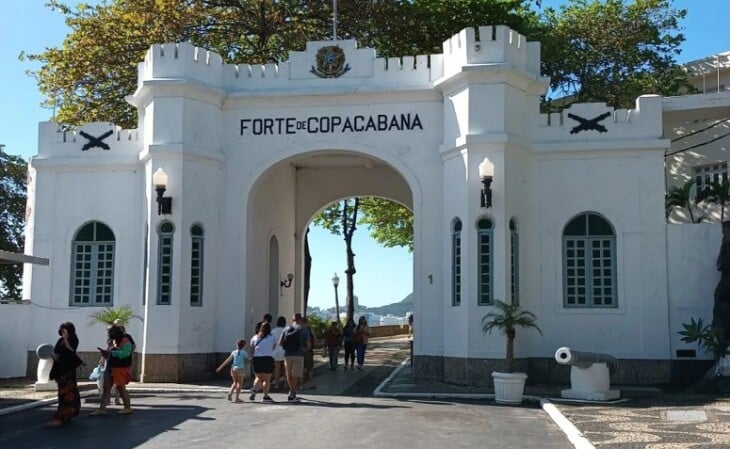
(491, 45)
(92, 140)
(596, 123)
(359, 68)
(332, 65)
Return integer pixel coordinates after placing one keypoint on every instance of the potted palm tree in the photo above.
(507, 317)
(109, 315)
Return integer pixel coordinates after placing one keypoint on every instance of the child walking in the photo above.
(238, 372)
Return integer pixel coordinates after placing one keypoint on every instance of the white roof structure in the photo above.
(8, 257)
(709, 64)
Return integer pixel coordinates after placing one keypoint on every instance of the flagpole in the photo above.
(334, 20)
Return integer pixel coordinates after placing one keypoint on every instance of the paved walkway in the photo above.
(646, 420)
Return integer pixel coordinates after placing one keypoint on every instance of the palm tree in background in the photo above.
(681, 196)
(717, 193)
(109, 315)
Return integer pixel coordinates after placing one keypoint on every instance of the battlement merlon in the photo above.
(181, 61)
(491, 45)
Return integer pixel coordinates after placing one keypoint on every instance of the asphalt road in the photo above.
(209, 421)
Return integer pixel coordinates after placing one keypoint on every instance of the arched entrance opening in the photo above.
(282, 202)
(379, 232)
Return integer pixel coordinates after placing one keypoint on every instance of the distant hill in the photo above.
(398, 309)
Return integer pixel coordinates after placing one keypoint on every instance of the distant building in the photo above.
(699, 129)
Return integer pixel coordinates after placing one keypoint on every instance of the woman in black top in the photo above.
(65, 362)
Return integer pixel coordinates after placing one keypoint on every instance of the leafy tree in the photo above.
(390, 223)
(87, 78)
(13, 173)
(614, 50)
(307, 271)
(341, 219)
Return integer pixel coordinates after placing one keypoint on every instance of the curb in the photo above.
(91, 393)
(574, 435)
(381, 394)
(39, 403)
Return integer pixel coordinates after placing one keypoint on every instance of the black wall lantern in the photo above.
(486, 173)
(287, 283)
(164, 204)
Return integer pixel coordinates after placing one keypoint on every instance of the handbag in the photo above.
(96, 373)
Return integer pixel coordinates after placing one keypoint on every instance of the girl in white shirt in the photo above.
(262, 346)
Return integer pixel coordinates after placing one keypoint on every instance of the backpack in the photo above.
(292, 340)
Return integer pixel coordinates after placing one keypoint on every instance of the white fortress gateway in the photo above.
(563, 213)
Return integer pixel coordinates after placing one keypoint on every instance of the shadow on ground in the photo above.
(22, 430)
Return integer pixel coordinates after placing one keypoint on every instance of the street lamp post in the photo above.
(335, 283)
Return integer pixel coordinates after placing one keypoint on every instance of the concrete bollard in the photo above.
(590, 377)
(43, 372)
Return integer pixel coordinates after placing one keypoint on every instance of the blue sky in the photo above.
(384, 275)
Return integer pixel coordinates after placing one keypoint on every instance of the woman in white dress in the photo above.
(278, 381)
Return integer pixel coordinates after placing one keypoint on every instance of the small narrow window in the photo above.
(514, 258)
(196, 266)
(484, 262)
(456, 264)
(164, 263)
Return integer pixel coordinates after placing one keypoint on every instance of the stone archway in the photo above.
(289, 193)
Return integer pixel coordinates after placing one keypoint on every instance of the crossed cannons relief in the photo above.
(95, 141)
(587, 125)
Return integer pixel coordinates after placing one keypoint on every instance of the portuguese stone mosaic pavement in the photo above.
(673, 423)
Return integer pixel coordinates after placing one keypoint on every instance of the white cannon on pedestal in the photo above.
(589, 375)
(43, 372)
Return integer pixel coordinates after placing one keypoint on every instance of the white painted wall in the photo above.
(693, 276)
(14, 322)
(245, 188)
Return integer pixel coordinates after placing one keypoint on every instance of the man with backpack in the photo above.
(294, 340)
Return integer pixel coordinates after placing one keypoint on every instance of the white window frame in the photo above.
(88, 259)
(579, 253)
(197, 252)
(165, 240)
(485, 275)
(456, 265)
(514, 253)
(706, 175)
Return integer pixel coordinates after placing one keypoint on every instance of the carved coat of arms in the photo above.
(330, 62)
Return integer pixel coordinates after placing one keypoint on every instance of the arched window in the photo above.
(165, 234)
(456, 264)
(196, 266)
(92, 266)
(514, 262)
(485, 237)
(589, 262)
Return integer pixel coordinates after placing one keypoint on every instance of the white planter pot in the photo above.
(508, 387)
